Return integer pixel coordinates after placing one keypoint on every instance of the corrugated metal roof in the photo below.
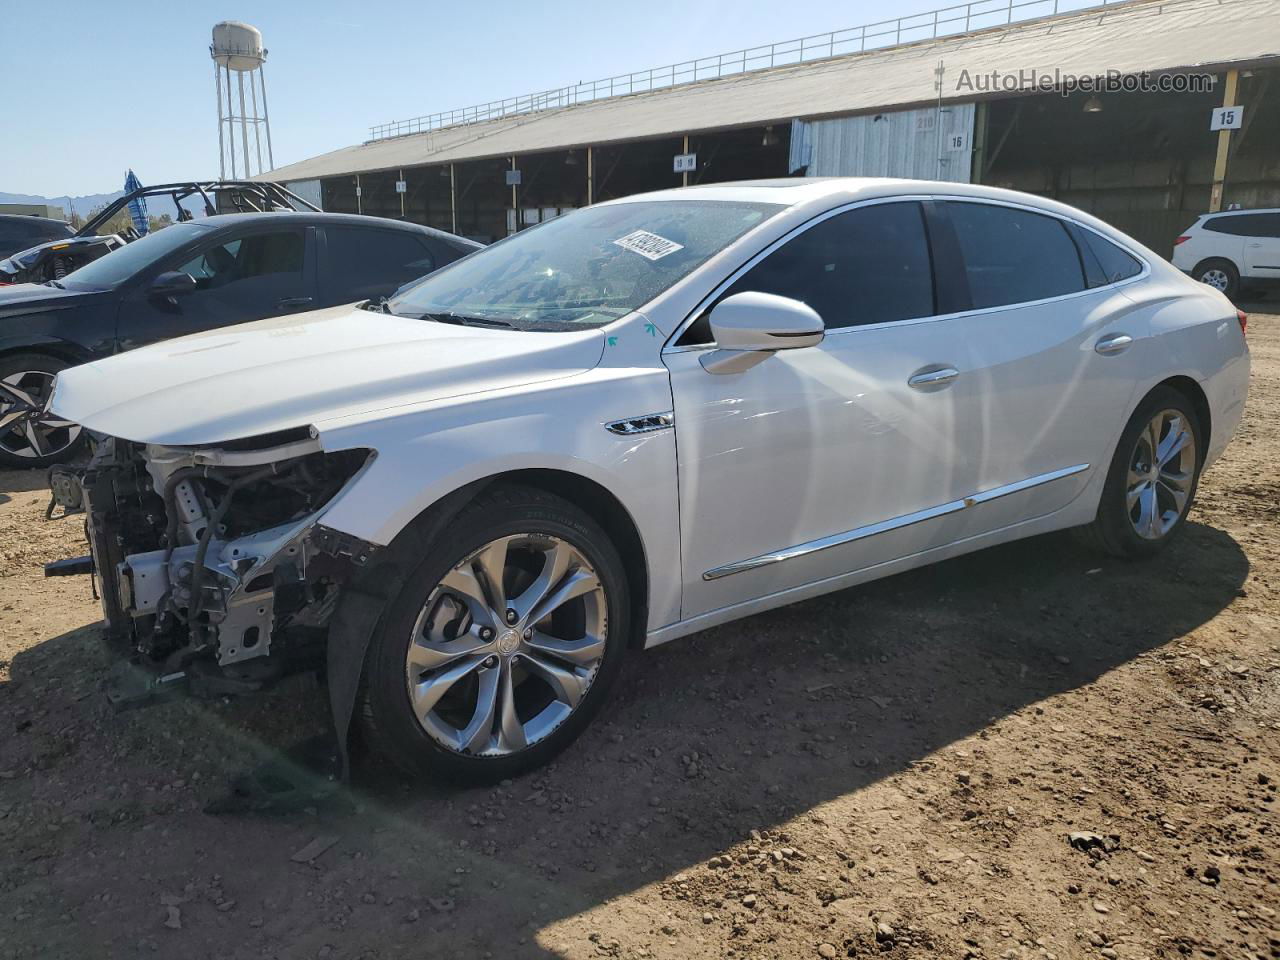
(1149, 35)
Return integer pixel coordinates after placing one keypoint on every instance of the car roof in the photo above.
(818, 193)
(309, 218)
(27, 218)
(1239, 213)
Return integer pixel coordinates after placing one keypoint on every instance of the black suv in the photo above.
(185, 278)
(18, 232)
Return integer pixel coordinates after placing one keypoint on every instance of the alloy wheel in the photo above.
(26, 429)
(507, 645)
(1161, 473)
(1216, 278)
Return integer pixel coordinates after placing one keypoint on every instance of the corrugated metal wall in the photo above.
(308, 190)
(926, 144)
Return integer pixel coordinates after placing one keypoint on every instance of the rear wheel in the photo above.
(501, 644)
(30, 437)
(1219, 274)
(1152, 480)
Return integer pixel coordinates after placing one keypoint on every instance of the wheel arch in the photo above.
(53, 348)
(1191, 389)
(589, 495)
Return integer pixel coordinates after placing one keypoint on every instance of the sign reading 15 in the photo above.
(1226, 118)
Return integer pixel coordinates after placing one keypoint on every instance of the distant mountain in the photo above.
(82, 205)
(86, 204)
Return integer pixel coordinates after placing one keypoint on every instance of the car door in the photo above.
(240, 275)
(1056, 352)
(1261, 245)
(824, 460)
(364, 263)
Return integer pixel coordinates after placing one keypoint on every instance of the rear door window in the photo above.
(1246, 225)
(1014, 256)
(367, 263)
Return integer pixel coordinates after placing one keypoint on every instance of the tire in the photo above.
(1219, 274)
(28, 438)
(1125, 525)
(443, 606)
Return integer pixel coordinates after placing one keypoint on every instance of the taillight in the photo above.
(1244, 321)
(1182, 239)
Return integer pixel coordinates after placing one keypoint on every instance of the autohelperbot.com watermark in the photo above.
(1035, 80)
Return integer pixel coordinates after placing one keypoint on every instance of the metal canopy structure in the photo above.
(1153, 36)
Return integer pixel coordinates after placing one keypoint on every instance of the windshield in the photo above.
(586, 268)
(121, 264)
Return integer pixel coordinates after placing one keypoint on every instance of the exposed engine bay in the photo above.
(210, 562)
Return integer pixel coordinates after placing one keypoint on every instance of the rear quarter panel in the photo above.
(1195, 333)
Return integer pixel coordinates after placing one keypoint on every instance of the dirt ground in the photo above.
(892, 770)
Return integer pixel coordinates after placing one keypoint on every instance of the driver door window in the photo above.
(241, 260)
(238, 280)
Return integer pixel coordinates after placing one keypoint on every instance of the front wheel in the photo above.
(1152, 480)
(29, 436)
(501, 644)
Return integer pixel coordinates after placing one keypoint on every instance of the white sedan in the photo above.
(637, 421)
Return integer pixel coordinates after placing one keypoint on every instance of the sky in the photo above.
(101, 87)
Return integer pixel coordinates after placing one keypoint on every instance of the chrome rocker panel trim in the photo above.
(896, 523)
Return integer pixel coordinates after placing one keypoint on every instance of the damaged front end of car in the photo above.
(215, 573)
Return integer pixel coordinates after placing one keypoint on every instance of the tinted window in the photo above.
(1246, 225)
(869, 265)
(254, 256)
(1013, 256)
(382, 254)
(1104, 262)
(119, 265)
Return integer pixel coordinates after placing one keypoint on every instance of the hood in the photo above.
(300, 370)
(27, 298)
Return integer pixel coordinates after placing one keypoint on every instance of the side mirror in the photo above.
(170, 284)
(749, 327)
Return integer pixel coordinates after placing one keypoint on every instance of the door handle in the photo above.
(288, 303)
(933, 378)
(1115, 343)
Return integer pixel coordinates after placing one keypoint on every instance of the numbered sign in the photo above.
(685, 162)
(513, 178)
(957, 142)
(402, 187)
(1226, 118)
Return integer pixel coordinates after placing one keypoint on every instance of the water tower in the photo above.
(237, 49)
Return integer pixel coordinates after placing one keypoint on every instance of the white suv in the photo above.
(1226, 250)
(636, 421)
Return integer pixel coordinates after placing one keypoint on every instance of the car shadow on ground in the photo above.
(739, 728)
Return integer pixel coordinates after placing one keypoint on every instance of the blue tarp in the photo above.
(138, 205)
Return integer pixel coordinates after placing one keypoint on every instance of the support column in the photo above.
(684, 174)
(399, 180)
(1224, 144)
(515, 206)
(453, 198)
(591, 177)
(359, 199)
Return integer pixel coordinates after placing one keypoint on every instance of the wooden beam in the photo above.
(1224, 145)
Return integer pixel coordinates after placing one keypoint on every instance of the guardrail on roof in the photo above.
(947, 21)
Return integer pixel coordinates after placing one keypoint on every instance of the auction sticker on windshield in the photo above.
(648, 245)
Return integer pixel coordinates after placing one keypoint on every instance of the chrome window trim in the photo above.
(896, 523)
(672, 347)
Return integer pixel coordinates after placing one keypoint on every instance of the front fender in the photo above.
(428, 452)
